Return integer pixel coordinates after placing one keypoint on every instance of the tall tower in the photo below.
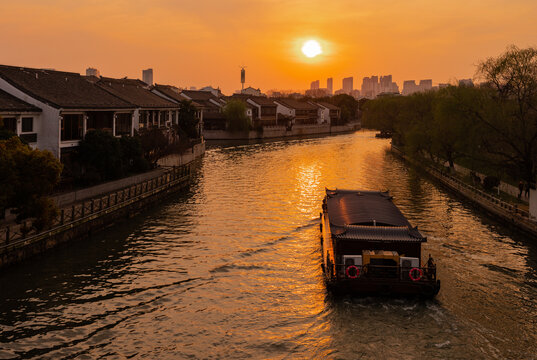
(243, 76)
(147, 76)
(329, 85)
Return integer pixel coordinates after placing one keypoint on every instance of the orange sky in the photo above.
(197, 43)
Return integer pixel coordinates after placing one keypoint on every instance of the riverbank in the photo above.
(276, 132)
(92, 209)
(506, 212)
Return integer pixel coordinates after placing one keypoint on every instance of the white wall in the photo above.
(48, 137)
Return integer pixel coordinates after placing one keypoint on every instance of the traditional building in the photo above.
(173, 94)
(20, 118)
(70, 106)
(151, 109)
(264, 110)
(211, 105)
(328, 113)
(301, 112)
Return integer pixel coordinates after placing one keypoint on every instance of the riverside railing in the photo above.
(96, 206)
(478, 194)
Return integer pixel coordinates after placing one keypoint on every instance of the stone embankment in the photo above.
(504, 211)
(92, 209)
(274, 132)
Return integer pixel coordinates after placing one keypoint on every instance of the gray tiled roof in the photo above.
(61, 89)
(9, 102)
(135, 92)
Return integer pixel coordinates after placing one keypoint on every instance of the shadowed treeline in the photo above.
(491, 127)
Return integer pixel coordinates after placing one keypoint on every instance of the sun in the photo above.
(312, 48)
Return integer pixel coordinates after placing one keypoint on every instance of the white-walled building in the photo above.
(70, 106)
(20, 118)
(151, 110)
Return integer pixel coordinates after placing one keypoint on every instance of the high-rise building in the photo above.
(92, 72)
(347, 85)
(466, 82)
(147, 76)
(315, 85)
(425, 85)
(329, 86)
(409, 87)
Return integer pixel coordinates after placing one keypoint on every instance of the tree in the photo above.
(236, 118)
(155, 145)
(28, 176)
(348, 106)
(188, 119)
(132, 155)
(510, 132)
(100, 154)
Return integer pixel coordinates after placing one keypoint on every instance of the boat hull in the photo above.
(384, 287)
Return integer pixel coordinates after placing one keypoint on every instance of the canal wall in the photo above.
(89, 210)
(18, 242)
(195, 152)
(272, 132)
(508, 213)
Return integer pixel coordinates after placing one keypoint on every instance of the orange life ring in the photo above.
(352, 276)
(420, 274)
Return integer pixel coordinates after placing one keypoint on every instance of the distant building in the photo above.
(251, 91)
(410, 87)
(442, 85)
(147, 76)
(425, 85)
(216, 92)
(355, 93)
(372, 87)
(466, 82)
(329, 86)
(92, 72)
(301, 112)
(347, 85)
(314, 85)
(316, 93)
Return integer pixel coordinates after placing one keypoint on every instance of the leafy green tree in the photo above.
(155, 145)
(236, 118)
(510, 133)
(188, 119)
(348, 106)
(28, 176)
(132, 154)
(100, 154)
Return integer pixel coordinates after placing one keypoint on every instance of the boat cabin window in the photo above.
(349, 261)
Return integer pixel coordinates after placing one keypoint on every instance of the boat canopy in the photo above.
(368, 215)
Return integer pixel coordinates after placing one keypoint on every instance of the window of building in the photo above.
(123, 124)
(100, 120)
(10, 123)
(71, 127)
(27, 124)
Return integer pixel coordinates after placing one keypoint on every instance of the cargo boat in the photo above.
(369, 247)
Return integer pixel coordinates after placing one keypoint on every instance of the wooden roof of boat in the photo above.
(368, 215)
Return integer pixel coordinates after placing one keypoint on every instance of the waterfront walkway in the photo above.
(510, 213)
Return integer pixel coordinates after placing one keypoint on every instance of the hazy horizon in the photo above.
(199, 44)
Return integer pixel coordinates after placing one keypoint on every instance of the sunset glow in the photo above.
(202, 43)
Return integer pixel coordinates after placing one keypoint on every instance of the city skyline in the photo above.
(119, 38)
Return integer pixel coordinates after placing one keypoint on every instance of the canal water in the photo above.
(231, 270)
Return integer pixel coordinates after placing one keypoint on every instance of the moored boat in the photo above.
(369, 247)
